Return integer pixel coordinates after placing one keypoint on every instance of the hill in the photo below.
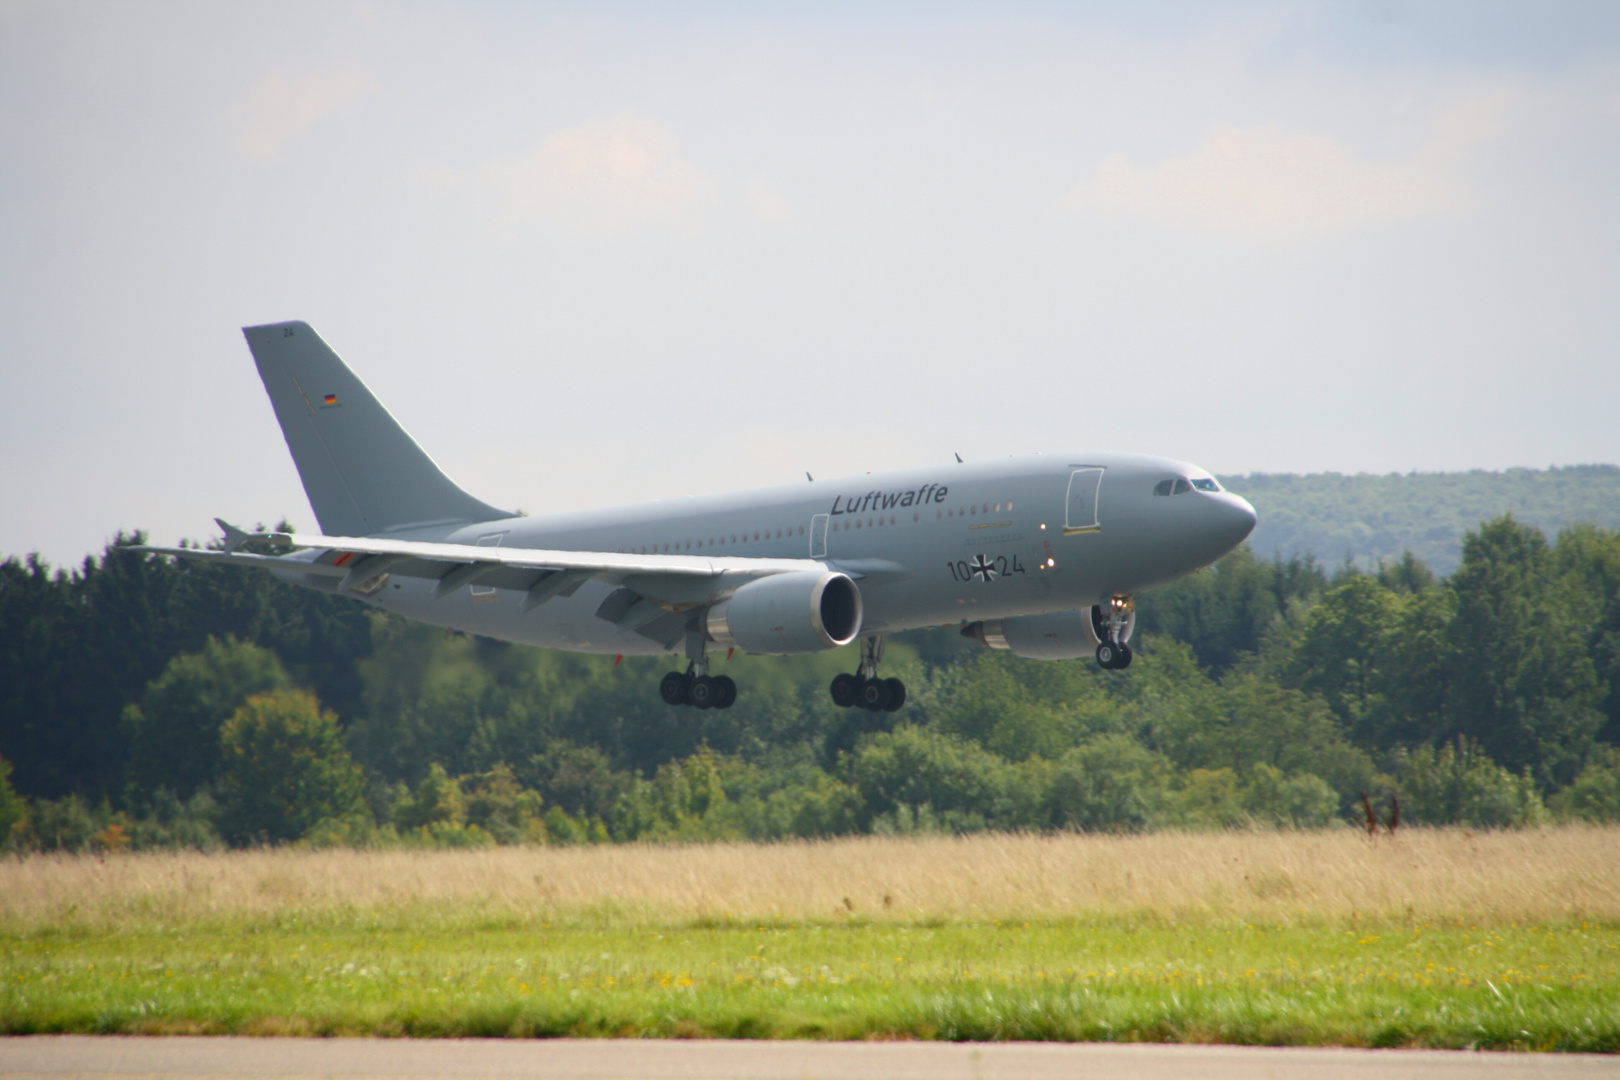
(1367, 518)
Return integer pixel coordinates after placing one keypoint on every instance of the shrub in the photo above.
(1594, 796)
(1460, 785)
(911, 767)
(1108, 784)
(284, 769)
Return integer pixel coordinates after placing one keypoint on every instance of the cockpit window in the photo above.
(1206, 485)
(1181, 488)
(1162, 487)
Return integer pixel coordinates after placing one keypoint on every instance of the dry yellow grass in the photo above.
(1529, 876)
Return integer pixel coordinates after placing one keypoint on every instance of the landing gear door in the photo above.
(1081, 513)
(818, 536)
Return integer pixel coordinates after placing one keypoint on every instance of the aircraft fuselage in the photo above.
(927, 547)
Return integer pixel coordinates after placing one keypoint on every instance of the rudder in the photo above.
(362, 472)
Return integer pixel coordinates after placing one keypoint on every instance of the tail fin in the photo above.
(363, 474)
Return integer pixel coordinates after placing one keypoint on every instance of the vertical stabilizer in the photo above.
(362, 472)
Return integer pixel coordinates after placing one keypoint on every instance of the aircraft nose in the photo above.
(1237, 518)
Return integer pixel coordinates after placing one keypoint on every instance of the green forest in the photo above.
(1367, 518)
(148, 704)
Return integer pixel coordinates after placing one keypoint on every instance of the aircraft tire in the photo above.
(702, 693)
(1108, 655)
(873, 695)
(1125, 657)
(673, 688)
(844, 689)
(897, 695)
(725, 692)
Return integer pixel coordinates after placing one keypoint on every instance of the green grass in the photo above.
(425, 972)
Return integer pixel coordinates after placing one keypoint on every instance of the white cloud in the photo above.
(1265, 180)
(766, 202)
(282, 107)
(604, 176)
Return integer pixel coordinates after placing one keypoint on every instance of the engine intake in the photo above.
(1057, 635)
(801, 612)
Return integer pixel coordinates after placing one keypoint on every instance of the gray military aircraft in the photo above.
(1040, 555)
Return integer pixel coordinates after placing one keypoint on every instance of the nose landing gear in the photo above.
(696, 687)
(864, 688)
(1113, 623)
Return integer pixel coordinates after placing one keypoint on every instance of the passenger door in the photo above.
(818, 536)
(1080, 515)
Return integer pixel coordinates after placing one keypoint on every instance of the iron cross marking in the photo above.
(983, 569)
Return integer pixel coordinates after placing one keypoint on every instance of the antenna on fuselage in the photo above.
(958, 458)
(808, 477)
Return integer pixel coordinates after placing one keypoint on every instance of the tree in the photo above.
(1526, 688)
(1230, 609)
(173, 733)
(1589, 559)
(284, 769)
(1418, 674)
(1343, 644)
(13, 810)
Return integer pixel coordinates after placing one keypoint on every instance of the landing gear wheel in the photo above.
(844, 689)
(673, 688)
(1125, 655)
(702, 693)
(1108, 655)
(897, 695)
(725, 691)
(874, 695)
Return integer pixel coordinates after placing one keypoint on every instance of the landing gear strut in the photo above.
(1112, 622)
(696, 687)
(864, 688)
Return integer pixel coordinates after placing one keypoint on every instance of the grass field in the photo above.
(1435, 938)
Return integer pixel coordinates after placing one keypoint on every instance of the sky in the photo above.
(597, 253)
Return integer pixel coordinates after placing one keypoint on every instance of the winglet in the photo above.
(234, 537)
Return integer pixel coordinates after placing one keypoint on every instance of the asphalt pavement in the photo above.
(108, 1057)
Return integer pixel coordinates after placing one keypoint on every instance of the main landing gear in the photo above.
(864, 688)
(1113, 622)
(696, 687)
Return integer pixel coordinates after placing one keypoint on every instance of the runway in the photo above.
(109, 1057)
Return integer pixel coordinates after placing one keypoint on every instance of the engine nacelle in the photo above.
(1057, 635)
(788, 613)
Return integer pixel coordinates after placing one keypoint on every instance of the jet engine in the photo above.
(1057, 635)
(788, 613)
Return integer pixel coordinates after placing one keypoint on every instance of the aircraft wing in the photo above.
(671, 582)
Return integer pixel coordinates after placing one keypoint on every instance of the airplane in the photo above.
(1039, 555)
